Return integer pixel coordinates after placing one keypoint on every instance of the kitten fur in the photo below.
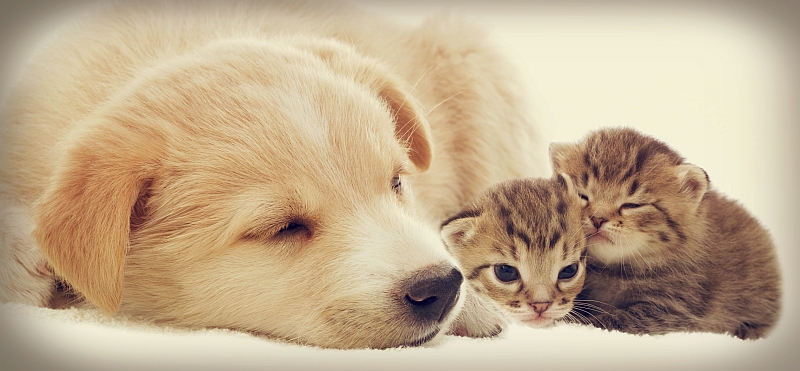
(665, 251)
(529, 229)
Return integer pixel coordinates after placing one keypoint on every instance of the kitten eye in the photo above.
(568, 271)
(397, 185)
(584, 197)
(630, 206)
(506, 273)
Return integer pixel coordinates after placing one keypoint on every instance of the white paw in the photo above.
(477, 319)
(25, 276)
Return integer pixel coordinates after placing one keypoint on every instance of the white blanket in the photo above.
(718, 85)
(40, 339)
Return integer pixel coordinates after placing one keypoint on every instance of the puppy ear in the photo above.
(83, 217)
(694, 183)
(459, 229)
(411, 127)
(559, 153)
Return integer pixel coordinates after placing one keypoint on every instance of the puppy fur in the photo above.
(233, 165)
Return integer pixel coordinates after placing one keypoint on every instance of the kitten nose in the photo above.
(432, 292)
(598, 221)
(540, 307)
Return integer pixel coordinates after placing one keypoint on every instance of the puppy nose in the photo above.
(432, 292)
(540, 307)
(598, 221)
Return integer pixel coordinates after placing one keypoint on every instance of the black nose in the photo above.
(431, 293)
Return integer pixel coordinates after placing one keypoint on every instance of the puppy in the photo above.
(278, 169)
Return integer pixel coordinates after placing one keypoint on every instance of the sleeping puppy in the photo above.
(273, 169)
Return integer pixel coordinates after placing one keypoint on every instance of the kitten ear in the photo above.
(559, 152)
(566, 181)
(456, 231)
(694, 182)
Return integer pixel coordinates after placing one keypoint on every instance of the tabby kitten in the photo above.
(520, 246)
(666, 252)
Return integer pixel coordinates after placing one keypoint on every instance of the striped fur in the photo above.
(532, 225)
(665, 252)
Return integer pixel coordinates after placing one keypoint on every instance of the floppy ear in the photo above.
(411, 127)
(694, 183)
(559, 153)
(83, 217)
(458, 230)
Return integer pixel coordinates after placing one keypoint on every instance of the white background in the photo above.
(718, 81)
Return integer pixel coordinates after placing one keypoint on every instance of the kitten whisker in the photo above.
(576, 232)
(650, 248)
(573, 318)
(592, 308)
(582, 312)
(629, 251)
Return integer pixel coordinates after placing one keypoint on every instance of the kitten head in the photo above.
(639, 198)
(520, 245)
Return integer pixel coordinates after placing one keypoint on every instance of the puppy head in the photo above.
(255, 185)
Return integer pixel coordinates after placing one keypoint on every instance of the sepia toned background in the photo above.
(718, 81)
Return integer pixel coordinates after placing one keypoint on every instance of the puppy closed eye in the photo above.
(294, 228)
(289, 230)
(397, 184)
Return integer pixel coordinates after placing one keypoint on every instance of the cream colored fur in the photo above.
(153, 153)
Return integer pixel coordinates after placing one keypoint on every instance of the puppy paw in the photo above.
(477, 320)
(476, 330)
(25, 276)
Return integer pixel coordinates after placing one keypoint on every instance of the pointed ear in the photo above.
(411, 127)
(566, 182)
(559, 153)
(459, 229)
(83, 217)
(694, 182)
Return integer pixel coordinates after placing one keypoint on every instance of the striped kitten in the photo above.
(666, 253)
(520, 246)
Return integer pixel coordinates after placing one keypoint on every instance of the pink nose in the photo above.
(598, 221)
(540, 307)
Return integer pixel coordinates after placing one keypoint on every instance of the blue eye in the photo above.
(568, 271)
(506, 273)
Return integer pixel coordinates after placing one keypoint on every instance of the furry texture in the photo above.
(254, 166)
(520, 245)
(666, 252)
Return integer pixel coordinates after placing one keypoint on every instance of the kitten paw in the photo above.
(750, 331)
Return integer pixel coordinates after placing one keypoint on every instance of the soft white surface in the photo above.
(717, 82)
